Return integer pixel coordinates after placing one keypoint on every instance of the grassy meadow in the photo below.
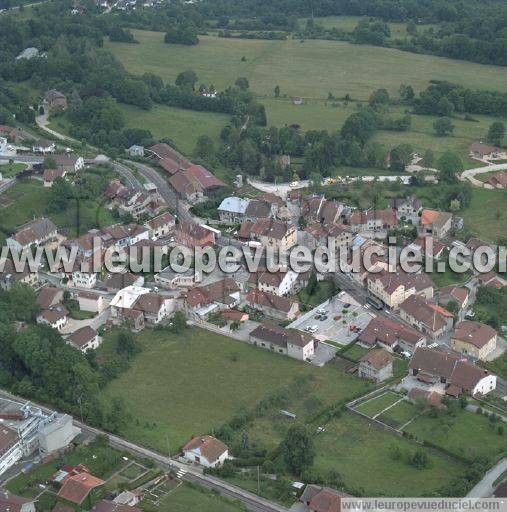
(310, 69)
(188, 384)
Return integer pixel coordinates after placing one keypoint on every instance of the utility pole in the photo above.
(258, 481)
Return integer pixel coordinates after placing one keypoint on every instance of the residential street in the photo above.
(470, 174)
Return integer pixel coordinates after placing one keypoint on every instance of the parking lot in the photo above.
(342, 312)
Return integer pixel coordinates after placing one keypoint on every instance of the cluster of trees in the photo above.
(182, 33)
(444, 99)
(37, 364)
(467, 30)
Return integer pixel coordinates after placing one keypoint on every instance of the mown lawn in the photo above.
(188, 384)
(398, 415)
(361, 453)
(468, 434)
(375, 405)
(310, 69)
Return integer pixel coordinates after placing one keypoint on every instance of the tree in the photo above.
(126, 344)
(455, 205)
(443, 126)
(204, 147)
(49, 162)
(186, 79)
(297, 449)
(419, 459)
(379, 97)
(277, 91)
(182, 33)
(401, 156)
(242, 83)
(406, 93)
(429, 158)
(496, 133)
(449, 164)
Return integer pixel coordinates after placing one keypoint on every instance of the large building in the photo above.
(473, 339)
(26, 429)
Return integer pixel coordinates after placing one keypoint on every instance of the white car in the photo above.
(293, 184)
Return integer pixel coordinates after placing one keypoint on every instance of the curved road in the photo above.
(484, 489)
(470, 174)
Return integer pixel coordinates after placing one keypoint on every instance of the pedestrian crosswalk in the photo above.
(181, 473)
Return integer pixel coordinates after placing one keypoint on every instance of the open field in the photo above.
(30, 199)
(311, 69)
(188, 384)
(182, 126)
(360, 452)
(468, 435)
(486, 215)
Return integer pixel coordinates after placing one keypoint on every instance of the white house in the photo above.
(43, 146)
(206, 451)
(84, 279)
(160, 226)
(277, 283)
(85, 339)
(90, 301)
(55, 316)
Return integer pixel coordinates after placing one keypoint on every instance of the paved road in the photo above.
(253, 502)
(484, 489)
(129, 176)
(470, 174)
(164, 189)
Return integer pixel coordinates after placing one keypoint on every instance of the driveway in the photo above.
(470, 174)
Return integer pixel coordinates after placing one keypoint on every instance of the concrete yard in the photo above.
(336, 327)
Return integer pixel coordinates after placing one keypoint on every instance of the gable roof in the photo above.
(206, 178)
(271, 228)
(161, 220)
(77, 487)
(258, 209)
(281, 336)
(217, 291)
(46, 296)
(435, 217)
(82, 336)
(387, 331)
(10, 502)
(208, 446)
(457, 293)
(430, 315)
(234, 205)
(475, 333)
(34, 230)
(270, 300)
(378, 358)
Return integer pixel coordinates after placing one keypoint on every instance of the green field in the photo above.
(399, 415)
(375, 405)
(188, 384)
(10, 170)
(30, 199)
(486, 216)
(182, 126)
(468, 434)
(360, 452)
(187, 497)
(311, 69)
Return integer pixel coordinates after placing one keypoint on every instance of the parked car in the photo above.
(323, 317)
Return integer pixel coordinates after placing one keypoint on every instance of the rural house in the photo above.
(10, 502)
(50, 175)
(217, 296)
(277, 283)
(81, 488)
(474, 339)
(436, 223)
(449, 374)
(84, 339)
(54, 99)
(390, 335)
(297, 344)
(425, 316)
(376, 365)
(43, 146)
(452, 293)
(90, 301)
(274, 233)
(192, 235)
(160, 226)
(321, 499)
(272, 305)
(207, 451)
(34, 232)
(55, 316)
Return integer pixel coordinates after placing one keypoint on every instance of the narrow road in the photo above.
(470, 174)
(253, 502)
(484, 489)
(129, 176)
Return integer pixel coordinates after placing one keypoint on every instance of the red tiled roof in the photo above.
(210, 447)
(77, 487)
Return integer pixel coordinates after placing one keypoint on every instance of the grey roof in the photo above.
(234, 205)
